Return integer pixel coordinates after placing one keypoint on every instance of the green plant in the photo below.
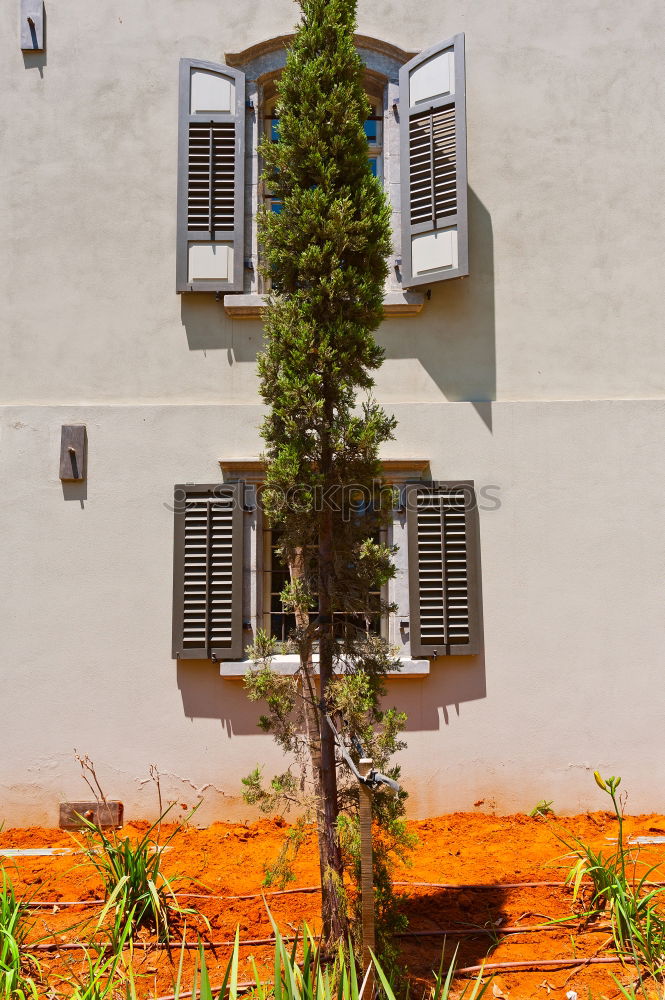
(542, 808)
(325, 256)
(136, 888)
(311, 976)
(443, 985)
(105, 976)
(17, 966)
(637, 920)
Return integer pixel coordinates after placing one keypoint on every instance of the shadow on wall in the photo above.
(75, 491)
(208, 328)
(206, 695)
(453, 338)
(428, 702)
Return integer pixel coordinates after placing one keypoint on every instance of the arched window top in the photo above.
(258, 61)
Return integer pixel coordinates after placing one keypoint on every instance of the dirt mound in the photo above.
(478, 897)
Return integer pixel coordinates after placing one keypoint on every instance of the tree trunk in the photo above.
(309, 694)
(333, 909)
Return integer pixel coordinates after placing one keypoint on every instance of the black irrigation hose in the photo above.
(496, 930)
(158, 945)
(36, 903)
(254, 942)
(247, 984)
(538, 963)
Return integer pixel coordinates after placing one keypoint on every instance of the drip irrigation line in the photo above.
(48, 903)
(539, 963)
(497, 930)
(253, 942)
(37, 903)
(253, 895)
(481, 885)
(160, 945)
(248, 984)
(500, 885)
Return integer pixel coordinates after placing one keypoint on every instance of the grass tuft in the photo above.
(136, 888)
(17, 965)
(620, 889)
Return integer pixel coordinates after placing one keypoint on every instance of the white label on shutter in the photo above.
(433, 78)
(434, 251)
(210, 92)
(208, 261)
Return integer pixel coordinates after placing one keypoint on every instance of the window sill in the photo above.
(394, 304)
(287, 665)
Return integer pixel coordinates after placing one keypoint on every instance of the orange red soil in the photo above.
(481, 855)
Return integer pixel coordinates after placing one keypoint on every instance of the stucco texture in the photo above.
(541, 375)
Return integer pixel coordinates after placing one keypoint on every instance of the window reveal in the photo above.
(280, 623)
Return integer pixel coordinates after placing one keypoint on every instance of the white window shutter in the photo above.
(444, 569)
(433, 165)
(211, 171)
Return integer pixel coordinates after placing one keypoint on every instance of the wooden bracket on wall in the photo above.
(32, 25)
(73, 452)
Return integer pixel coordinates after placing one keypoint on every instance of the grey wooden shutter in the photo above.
(444, 569)
(433, 165)
(211, 178)
(207, 572)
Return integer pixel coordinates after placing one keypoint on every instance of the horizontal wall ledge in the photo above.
(289, 664)
(394, 304)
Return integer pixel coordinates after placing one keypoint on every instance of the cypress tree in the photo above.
(325, 256)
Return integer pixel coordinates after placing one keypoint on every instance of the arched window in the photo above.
(416, 144)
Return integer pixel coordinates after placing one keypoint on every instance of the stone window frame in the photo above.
(262, 64)
(250, 471)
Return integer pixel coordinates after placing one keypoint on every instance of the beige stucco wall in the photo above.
(556, 336)
(565, 136)
(573, 592)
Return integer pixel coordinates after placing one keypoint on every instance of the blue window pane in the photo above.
(274, 129)
(374, 166)
(370, 130)
(276, 206)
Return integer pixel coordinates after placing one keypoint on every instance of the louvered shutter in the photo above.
(444, 569)
(211, 178)
(207, 572)
(433, 165)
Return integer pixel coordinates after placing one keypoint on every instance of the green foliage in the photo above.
(137, 890)
(542, 808)
(105, 976)
(281, 871)
(313, 978)
(325, 257)
(620, 887)
(443, 984)
(18, 968)
(325, 254)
